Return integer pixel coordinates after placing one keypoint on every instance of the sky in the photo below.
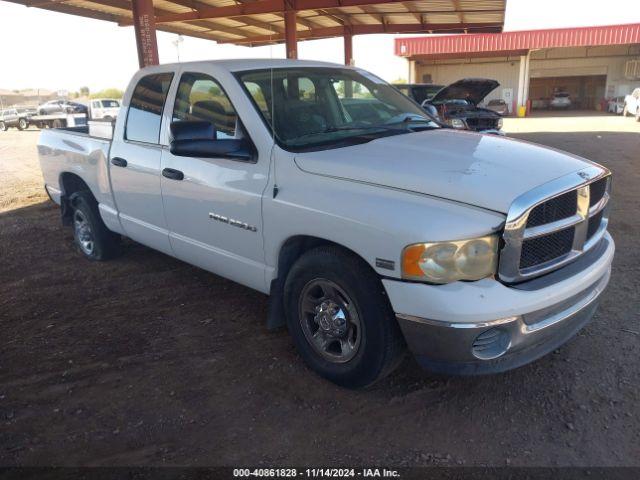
(58, 51)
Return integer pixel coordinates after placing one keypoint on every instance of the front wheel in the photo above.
(340, 319)
(3, 127)
(23, 124)
(90, 234)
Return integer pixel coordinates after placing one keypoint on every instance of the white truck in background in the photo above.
(104, 109)
(371, 226)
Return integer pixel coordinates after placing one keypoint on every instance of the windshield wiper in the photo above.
(345, 128)
(411, 119)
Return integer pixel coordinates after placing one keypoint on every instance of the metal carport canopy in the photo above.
(262, 22)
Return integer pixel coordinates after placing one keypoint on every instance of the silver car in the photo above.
(560, 101)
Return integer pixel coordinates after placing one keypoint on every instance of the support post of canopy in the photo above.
(145, 30)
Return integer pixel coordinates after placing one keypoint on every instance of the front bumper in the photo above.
(492, 131)
(483, 327)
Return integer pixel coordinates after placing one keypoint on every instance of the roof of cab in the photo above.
(236, 65)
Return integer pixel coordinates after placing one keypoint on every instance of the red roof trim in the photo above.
(522, 40)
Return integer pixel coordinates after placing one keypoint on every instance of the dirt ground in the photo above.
(148, 361)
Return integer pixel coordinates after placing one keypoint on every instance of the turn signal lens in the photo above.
(445, 262)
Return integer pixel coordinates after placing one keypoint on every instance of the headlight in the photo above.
(445, 262)
(457, 123)
(499, 123)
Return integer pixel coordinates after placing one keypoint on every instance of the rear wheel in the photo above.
(23, 124)
(3, 127)
(340, 319)
(94, 240)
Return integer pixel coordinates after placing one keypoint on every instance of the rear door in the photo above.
(135, 163)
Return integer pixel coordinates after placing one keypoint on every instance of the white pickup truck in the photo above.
(371, 227)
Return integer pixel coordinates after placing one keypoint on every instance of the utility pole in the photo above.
(177, 43)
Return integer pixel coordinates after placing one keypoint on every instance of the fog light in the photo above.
(491, 344)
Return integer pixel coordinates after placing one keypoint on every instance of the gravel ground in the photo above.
(148, 361)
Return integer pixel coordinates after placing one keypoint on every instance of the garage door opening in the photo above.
(584, 92)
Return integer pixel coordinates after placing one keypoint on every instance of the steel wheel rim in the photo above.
(22, 123)
(329, 321)
(83, 232)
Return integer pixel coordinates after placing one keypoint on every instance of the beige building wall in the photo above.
(555, 62)
(505, 70)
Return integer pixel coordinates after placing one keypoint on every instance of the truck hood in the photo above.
(488, 171)
(472, 89)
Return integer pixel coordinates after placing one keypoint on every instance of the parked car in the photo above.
(499, 106)
(560, 101)
(616, 105)
(632, 104)
(15, 117)
(419, 91)
(478, 252)
(539, 103)
(104, 108)
(457, 105)
(61, 106)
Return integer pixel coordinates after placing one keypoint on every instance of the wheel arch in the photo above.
(71, 183)
(289, 252)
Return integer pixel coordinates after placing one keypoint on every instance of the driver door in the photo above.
(213, 205)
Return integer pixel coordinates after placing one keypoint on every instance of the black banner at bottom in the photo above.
(411, 473)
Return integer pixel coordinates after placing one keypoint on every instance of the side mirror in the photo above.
(199, 139)
(429, 108)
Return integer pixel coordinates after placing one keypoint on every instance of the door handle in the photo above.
(172, 174)
(119, 162)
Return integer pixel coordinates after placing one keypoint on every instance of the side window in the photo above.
(351, 89)
(200, 97)
(258, 96)
(96, 104)
(301, 88)
(145, 109)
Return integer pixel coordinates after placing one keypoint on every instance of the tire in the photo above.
(94, 240)
(3, 127)
(638, 115)
(23, 124)
(57, 124)
(340, 319)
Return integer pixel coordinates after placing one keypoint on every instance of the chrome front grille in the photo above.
(562, 206)
(544, 248)
(554, 223)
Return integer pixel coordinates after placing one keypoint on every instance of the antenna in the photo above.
(273, 116)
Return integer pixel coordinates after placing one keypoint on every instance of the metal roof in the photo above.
(452, 45)
(260, 22)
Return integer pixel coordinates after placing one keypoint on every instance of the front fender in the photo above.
(374, 222)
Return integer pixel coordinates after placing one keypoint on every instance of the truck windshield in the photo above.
(320, 107)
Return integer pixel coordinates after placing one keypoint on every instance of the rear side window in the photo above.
(145, 109)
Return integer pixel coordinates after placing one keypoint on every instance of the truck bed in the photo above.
(74, 151)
